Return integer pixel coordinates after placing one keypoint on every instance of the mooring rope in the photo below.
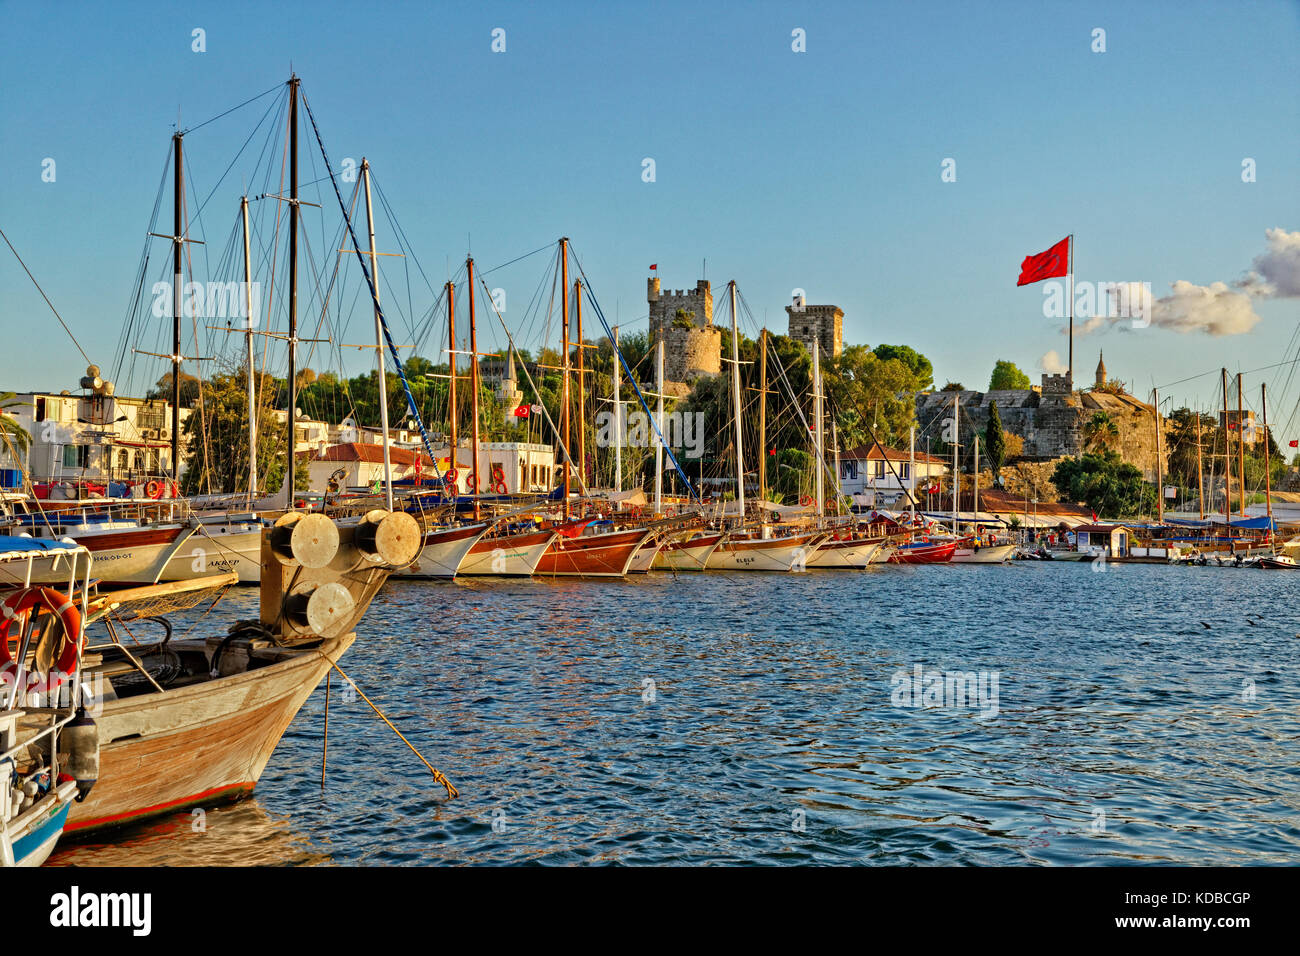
(451, 790)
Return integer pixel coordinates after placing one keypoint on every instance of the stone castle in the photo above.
(1050, 419)
(692, 344)
(823, 324)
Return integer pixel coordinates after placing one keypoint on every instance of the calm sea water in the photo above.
(1140, 718)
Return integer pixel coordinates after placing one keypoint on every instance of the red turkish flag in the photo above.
(1046, 265)
(1294, 443)
(521, 411)
(655, 267)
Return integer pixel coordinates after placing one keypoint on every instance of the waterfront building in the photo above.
(883, 476)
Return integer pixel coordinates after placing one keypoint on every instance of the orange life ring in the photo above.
(450, 475)
(500, 488)
(471, 481)
(57, 603)
(153, 489)
(806, 500)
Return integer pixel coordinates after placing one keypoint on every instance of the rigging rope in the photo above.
(374, 294)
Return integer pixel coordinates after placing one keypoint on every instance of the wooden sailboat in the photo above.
(746, 550)
(584, 547)
(195, 720)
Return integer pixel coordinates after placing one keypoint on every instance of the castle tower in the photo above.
(696, 303)
(1101, 370)
(689, 350)
(825, 323)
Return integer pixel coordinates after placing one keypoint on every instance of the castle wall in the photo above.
(1052, 425)
(690, 353)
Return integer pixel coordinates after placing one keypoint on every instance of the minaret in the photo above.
(1101, 370)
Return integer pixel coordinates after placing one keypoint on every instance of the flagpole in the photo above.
(1071, 369)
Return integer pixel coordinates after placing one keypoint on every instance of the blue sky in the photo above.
(818, 170)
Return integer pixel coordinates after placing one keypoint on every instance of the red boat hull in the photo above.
(595, 556)
(925, 554)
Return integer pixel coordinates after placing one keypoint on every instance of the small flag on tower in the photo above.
(654, 267)
(522, 411)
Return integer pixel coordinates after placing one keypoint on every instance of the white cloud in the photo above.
(1214, 309)
(1051, 363)
(1276, 273)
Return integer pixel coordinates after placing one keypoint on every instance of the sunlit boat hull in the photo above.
(690, 555)
(989, 554)
(850, 553)
(195, 745)
(593, 556)
(764, 554)
(924, 553)
(645, 556)
(444, 551)
(508, 556)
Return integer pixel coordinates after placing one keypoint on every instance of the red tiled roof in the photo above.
(878, 452)
(374, 454)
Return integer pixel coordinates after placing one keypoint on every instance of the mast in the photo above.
(1227, 450)
(911, 467)
(1070, 370)
(839, 482)
(618, 417)
(659, 418)
(975, 507)
(818, 444)
(178, 202)
(248, 339)
(1241, 450)
(453, 441)
(1268, 485)
(473, 385)
(564, 387)
(956, 477)
(1200, 471)
(293, 289)
(379, 341)
(1160, 465)
(582, 390)
(735, 398)
(762, 415)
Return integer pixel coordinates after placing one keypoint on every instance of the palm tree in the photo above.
(1100, 432)
(11, 433)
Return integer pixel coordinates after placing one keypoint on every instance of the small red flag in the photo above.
(1294, 443)
(655, 266)
(1046, 265)
(521, 411)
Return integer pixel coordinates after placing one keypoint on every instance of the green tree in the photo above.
(1110, 487)
(953, 387)
(1100, 432)
(791, 476)
(10, 431)
(216, 439)
(914, 360)
(871, 394)
(1007, 376)
(995, 444)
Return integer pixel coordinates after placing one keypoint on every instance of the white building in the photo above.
(505, 467)
(881, 475)
(93, 437)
